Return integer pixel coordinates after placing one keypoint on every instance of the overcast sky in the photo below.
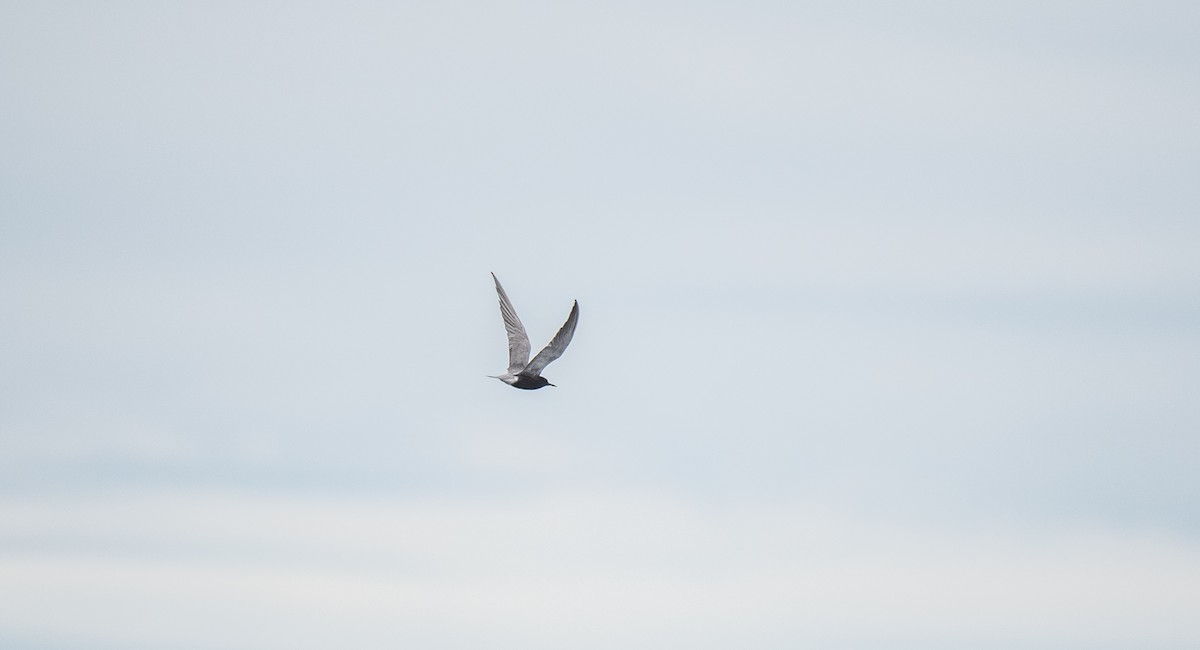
(889, 334)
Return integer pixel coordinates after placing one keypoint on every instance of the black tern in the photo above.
(523, 373)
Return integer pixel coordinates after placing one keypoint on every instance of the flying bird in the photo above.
(523, 373)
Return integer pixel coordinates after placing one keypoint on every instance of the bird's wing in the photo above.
(556, 346)
(518, 340)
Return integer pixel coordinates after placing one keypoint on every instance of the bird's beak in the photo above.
(550, 384)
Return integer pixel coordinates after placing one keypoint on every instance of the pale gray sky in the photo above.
(889, 335)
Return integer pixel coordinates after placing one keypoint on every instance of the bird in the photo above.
(523, 373)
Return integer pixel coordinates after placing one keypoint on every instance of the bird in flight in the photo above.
(523, 373)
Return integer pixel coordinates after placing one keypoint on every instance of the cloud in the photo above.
(888, 329)
(578, 569)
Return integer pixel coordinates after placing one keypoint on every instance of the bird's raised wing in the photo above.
(555, 347)
(518, 340)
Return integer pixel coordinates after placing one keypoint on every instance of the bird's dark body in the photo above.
(525, 382)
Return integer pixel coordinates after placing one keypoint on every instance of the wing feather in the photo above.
(557, 345)
(518, 340)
